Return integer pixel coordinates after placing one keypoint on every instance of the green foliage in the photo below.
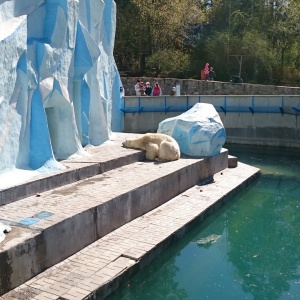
(169, 62)
(145, 31)
(218, 50)
(155, 38)
(265, 36)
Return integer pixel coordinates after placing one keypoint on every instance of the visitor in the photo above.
(137, 88)
(173, 91)
(148, 90)
(236, 79)
(142, 89)
(202, 75)
(212, 74)
(156, 91)
(206, 71)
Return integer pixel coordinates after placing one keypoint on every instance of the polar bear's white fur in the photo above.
(158, 146)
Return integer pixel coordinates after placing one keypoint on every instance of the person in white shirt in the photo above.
(137, 88)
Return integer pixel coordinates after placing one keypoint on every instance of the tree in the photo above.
(265, 33)
(176, 38)
(153, 29)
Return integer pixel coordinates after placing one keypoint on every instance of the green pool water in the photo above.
(248, 249)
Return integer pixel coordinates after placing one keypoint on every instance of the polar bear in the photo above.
(158, 146)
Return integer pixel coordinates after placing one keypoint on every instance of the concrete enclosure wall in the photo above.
(258, 120)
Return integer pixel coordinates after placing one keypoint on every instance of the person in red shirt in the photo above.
(156, 91)
(206, 71)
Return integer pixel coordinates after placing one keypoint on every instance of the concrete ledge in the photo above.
(232, 161)
(109, 287)
(102, 267)
(83, 212)
(76, 170)
(195, 87)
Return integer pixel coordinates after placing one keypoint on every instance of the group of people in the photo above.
(142, 89)
(208, 73)
(147, 90)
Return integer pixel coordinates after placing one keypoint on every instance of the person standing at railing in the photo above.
(212, 74)
(137, 88)
(173, 91)
(156, 91)
(206, 71)
(142, 88)
(148, 90)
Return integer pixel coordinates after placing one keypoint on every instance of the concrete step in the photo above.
(52, 225)
(96, 160)
(100, 268)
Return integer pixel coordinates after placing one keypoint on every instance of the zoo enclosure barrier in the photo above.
(288, 104)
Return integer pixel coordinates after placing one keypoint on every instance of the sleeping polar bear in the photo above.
(158, 146)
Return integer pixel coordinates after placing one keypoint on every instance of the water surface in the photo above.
(248, 249)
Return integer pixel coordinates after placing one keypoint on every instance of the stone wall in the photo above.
(200, 87)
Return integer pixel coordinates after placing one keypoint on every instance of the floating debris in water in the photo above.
(209, 239)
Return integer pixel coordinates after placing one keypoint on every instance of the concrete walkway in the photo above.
(115, 223)
(97, 160)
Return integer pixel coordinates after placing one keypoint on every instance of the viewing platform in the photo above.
(84, 231)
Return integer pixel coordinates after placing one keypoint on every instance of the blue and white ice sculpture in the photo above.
(59, 85)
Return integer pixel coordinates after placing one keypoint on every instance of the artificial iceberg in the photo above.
(59, 84)
(198, 131)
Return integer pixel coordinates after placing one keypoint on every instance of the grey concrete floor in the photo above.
(99, 268)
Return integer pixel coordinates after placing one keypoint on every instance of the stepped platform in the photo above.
(97, 160)
(84, 235)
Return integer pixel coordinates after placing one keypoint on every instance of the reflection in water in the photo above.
(249, 249)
